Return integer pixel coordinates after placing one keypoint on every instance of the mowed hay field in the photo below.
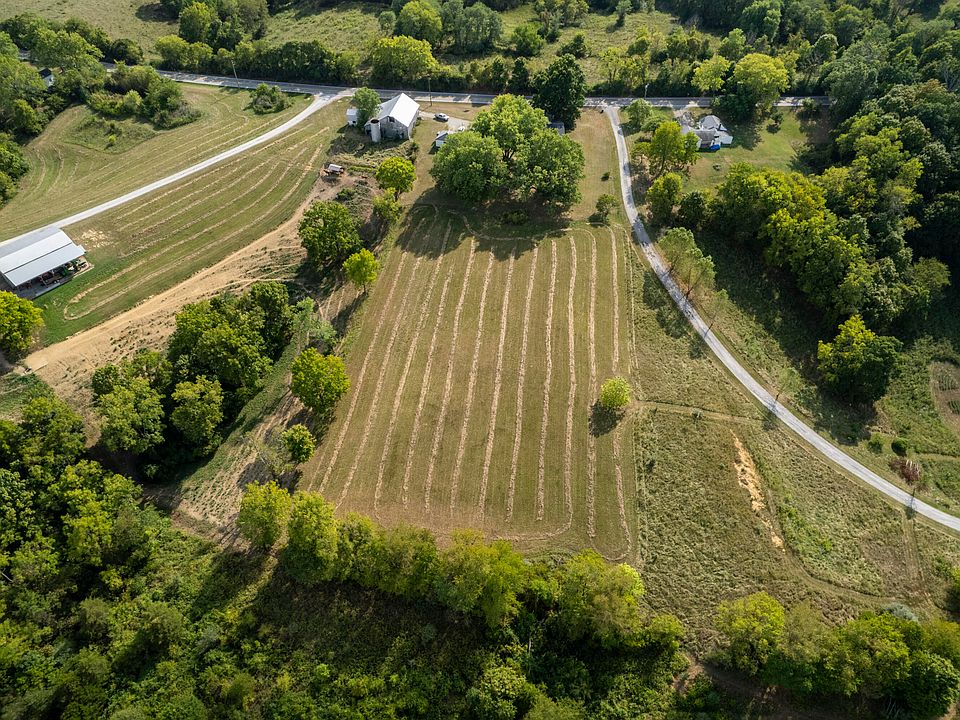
(474, 371)
(156, 241)
(73, 168)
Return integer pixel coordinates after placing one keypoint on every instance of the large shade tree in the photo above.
(319, 380)
(329, 233)
(561, 89)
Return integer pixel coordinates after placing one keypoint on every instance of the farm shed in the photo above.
(352, 115)
(39, 260)
(396, 119)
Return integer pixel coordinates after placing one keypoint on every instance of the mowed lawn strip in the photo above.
(79, 176)
(139, 250)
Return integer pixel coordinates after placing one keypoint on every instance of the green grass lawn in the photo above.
(139, 20)
(763, 145)
(73, 161)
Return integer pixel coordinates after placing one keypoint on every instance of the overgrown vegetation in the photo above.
(170, 408)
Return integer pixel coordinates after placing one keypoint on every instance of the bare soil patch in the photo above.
(749, 479)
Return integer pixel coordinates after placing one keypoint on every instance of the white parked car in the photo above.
(441, 117)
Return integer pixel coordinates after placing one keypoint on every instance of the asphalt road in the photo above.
(676, 103)
(768, 401)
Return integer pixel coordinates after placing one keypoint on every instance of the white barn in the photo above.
(38, 260)
(396, 119)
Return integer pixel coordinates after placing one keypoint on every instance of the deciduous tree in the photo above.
(606, 204)
(131, 417)
(299, 443)
(470, 167)
(401, 59)
(19, 320)
(198, 412)
(361, 268)
(614, 394)
(263, 514)
(858, 363)
(367, 102)
(752, 626)
(711, 74)
(419, 19)
(669, 149)
(511, 121)
(319, 380)
(599, 600)
(396, 174)
(663, 196)
(329, 233)
(758, 80)
(311, 551)
(560, 90)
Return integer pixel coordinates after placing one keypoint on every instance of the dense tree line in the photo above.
(889, 660)
(171, 407)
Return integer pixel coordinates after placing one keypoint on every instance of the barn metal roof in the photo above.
(401, 108)
(35, 253)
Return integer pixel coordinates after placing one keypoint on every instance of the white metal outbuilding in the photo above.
(35, 254)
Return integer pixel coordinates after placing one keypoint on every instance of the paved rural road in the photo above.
(806, 433)
(676, 103)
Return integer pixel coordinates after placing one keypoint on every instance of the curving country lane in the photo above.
(801, 429)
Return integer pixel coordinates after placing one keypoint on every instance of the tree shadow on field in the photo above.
(229, 574)
(668, 316)
(747, 134)
(153, 12)
(603, 421)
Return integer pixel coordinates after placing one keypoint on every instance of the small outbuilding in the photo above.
(445, 135)
(35, 262)
(353, 115)
(396, 120)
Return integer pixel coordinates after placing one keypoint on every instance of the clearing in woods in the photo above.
(75, 161)
(477, 355)
(154, 242)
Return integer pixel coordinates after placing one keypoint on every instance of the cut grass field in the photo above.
(456, 369)
(475, 361)
(139, 20)
(74, 164)
(153, 243)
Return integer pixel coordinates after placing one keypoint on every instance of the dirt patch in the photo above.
(749, 479)
(945, 387)
(91, 239)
